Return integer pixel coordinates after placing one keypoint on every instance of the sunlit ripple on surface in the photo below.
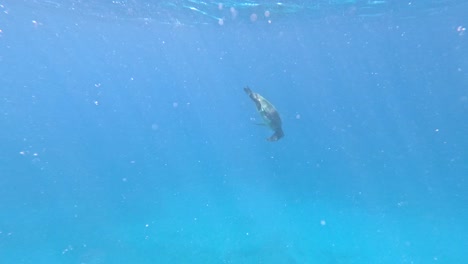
(192, 12)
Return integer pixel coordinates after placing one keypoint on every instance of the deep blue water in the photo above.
(126, 136)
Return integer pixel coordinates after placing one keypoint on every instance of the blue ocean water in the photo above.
(126, 136)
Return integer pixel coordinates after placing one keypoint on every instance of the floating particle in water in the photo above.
(322, 222)
(67, 249)
(267, 13)
(175, 104)
(461, 30)
(220, 22)
(233, 12)
(253, 17)
(36, 23)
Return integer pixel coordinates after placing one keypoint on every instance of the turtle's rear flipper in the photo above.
(277, 135)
